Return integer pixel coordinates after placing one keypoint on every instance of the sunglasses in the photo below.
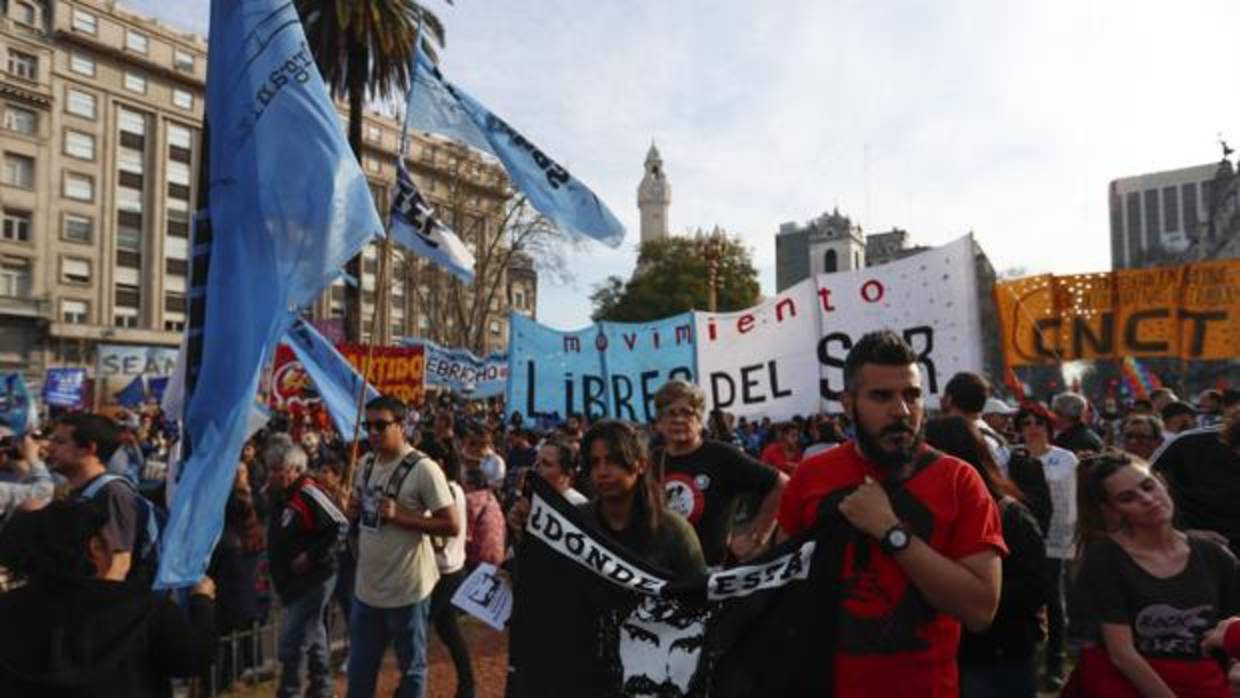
(378, 424)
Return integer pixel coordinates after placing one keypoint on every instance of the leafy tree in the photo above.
(364, 50)
(673, 276)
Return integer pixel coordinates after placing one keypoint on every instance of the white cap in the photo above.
(997, 406)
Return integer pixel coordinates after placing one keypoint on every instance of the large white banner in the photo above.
(785, 357)
(761, 361)
(931, 299)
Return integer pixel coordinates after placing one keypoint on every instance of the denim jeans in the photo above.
(999, 680)
(303, 639)
(1056, 617)
(370, 629)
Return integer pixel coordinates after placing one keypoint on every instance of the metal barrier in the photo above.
(250, 657)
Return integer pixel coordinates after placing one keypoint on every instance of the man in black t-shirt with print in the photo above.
(1202, 471)
(705, 479)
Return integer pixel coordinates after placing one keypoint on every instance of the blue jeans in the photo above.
(303, 637)
(370, 629)
(999, 680)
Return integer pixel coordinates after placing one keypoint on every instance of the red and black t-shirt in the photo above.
(892, 642)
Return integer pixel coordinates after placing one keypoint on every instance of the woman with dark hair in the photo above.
(77, 629)
(450, 558)
(1153, 590)
(234, 565)
(628, 501)
(1000, 661)
(1041, 461)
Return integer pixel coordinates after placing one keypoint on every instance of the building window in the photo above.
(22, 121)
(79, 186)
(1153, 231)
(1188, 201)
(125, 316)
(127, 296)
(1132, 204)
(183, 60)
(178, 173)
(494, 331)
(829, 262)
(128, 231)
(14, 277)
(182, 98)
(373, 133)
(82, 65)
(518, 300)
(174, 302)
(1171, 209)
(85, 22)
(131, 122)
(372, 165)
(135, 41)
(178, 223)
(26, 14)
(74, 312)
(135, 83)
(80, 103)
(23, 65)
(130, 161)
(18, 171)
(171, 325)
(16, 227)
(78, 228)
(74, 271)
(79, 145)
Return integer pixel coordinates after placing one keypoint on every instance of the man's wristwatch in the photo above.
(895, 539)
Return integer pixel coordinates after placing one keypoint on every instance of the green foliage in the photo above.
(673, 276)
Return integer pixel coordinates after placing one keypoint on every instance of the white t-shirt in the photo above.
(396, 565)
(1059, 465)
(492, 467)
(451, 557)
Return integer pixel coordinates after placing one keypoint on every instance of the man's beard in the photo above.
(888, 461)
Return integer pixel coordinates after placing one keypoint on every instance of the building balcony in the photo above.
(24, 306)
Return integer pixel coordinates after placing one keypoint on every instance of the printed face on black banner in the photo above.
(658, 647)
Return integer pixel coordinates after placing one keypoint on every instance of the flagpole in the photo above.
(381, 281)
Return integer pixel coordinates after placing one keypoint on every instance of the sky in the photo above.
(1004, 118)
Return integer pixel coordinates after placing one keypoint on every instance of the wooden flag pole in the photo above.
(380, 298)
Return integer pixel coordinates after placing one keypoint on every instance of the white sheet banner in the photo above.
(931, 299)
(761, 361)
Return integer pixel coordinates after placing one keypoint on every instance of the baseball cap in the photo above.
(997, 406)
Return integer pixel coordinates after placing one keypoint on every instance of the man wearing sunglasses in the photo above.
(400, 499)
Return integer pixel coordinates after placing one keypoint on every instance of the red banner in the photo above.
(291, 387)
(395, 371)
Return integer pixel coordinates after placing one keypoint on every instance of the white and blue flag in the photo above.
(288, 206)
(437, 106)
(413, 224)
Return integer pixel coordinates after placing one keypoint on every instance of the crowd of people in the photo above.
(1002, 548)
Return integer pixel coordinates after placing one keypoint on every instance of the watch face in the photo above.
(897, 539)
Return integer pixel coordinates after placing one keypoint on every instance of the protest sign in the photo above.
(485, 595)
(1190, 311)
(460, 371)
(119, 364)
(65, 387)
(608, 369)
(395, 371)
(760, 361)
(17, 411)
(931, 299)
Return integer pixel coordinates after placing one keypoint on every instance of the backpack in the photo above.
(397, 480)
(150, 523)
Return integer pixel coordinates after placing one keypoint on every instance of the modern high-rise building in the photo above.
(1157, 217)
(100, 113)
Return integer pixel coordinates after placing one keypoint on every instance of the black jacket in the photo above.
(303, 520)
(1027, 586)
(100, 639)
(1028, 474)
(1079, 438)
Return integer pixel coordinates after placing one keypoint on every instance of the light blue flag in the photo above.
(334, 377)
(610, 369)
(16, 410)
(133, 394)
(437, 106)
(288, 206)
(413, 224)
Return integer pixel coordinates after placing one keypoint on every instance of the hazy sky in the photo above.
(1005, 118)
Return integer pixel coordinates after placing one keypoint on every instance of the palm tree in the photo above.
(364, 50)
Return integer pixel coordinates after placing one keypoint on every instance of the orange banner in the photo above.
(1190, 312)
(395, 371)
